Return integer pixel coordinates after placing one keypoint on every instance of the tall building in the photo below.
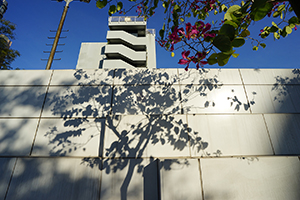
(129, 45)
(3, 7)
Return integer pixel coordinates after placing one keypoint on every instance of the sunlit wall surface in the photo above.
(150, 134)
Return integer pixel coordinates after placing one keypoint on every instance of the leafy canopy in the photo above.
(7, 55)
(211, 43)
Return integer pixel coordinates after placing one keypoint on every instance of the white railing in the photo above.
(126, 19)
(151, 31)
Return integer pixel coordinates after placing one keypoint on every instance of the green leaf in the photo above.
(294, 20)
(151, 11)
(224, 7)
(231, 23)
(165, 4)
(167, 45)
(258, 3)
(274, 24)
(112, 9)
(101, 4)
(288, 30)
(276, 14)
(212, 59)
(261, 10)
(119, 6)
(223, 43)
(238, 42)
(245, 33)
(281, 8)
(230, 52)
(145, 3)
(161, 33)
(255, 48)
(177, 8)
(245, 7)
(292, 26)
(265, 34)
(273, 29)
(244, 25)
(222, 59)
(263, 45)
(232, 9)
(235, 55)
(276, 35)
(228, 30)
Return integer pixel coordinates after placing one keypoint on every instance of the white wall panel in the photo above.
(21, 101)
(258, 178)
(82, 77)
(214, 99)
(25, 77)
(78, 101)
(228, 135)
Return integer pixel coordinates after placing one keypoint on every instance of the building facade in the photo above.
(129, 45)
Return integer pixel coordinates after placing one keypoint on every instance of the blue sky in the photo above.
(86, 23)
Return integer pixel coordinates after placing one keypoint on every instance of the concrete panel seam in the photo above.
(201, 180)
(38, 124)
(11, 176)
(100, 180)
(189, 141)
(245, 91)
(268, 134)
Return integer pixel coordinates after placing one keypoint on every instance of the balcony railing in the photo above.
(121, 19)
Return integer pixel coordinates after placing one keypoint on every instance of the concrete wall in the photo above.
(91, 55)
(151, 50)
(150, 134)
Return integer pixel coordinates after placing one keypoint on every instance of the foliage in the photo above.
(7, 55)
(215, 42)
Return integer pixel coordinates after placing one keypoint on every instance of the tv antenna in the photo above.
(59, 30)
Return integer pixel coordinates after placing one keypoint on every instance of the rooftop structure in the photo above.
(3, 7)
(150, 134)
(129, 45)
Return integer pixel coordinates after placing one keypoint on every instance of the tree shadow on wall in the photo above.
(141, 123)
(203, 92)
(20, 106)
(286, 86)
(287, 126)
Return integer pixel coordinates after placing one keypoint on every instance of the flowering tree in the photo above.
(210, 43)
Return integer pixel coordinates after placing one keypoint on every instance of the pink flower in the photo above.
(207, 27)
(201, 25)
(191, 31)
(161, 42)
(174, 36)
(197, 59)
(185, 59)
(139, 9)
